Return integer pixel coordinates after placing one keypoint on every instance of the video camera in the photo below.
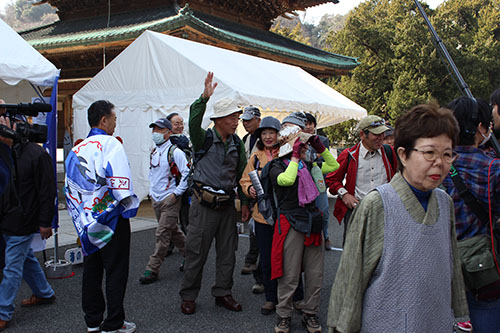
(25, 132)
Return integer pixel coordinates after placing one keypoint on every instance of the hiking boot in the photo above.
(3, 324)
(258, 288)
(248, 268)
(127, 327)
(148, 277)
(311, 323)
(268, 308)
(282, 325)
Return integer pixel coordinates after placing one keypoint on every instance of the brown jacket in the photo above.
(245, 181)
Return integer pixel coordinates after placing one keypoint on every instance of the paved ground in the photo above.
(156, 307)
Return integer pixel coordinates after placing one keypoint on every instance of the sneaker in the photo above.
(464, 326)
(127, 327)
(258, 288)
(248, 268)
(148, 277)
(93, 329)
(311, 323)
(283, 325)
(268, 308)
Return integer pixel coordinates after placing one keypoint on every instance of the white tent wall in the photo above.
(159, 74)
(20, 66)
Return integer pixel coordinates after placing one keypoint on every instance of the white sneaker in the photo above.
(93, 329)
(127, 327)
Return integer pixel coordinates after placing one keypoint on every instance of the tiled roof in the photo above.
(129, 25)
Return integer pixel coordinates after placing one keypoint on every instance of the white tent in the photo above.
(159, 74)
(24, 74)
(22, 68)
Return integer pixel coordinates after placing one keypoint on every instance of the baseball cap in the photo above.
(373, 124)
(250, 112)
(162, 123)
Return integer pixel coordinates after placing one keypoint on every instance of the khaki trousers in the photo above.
(205, 224)
(167, 214)
(296, 257)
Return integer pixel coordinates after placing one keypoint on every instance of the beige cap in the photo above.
(225, 107)
(372, 123)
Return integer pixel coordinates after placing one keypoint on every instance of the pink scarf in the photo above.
(308, 191)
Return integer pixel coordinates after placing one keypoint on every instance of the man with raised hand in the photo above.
(219, 162)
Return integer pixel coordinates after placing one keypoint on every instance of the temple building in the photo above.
(91, 33)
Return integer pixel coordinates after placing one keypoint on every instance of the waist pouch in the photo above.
(216, 201)
(309, 220)
(478, 265)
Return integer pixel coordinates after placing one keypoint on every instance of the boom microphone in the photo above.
(27, 109)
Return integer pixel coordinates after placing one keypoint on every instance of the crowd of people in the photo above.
(419, 203)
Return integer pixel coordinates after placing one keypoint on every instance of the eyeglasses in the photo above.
(431, 155)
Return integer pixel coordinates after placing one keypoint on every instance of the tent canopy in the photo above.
(21, 66)
(158, 74)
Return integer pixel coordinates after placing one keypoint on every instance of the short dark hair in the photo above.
(98, 110)
(463, 109)
(495, 99)
(170, 116)
(310, 118)
(259, 143)
(424, 121)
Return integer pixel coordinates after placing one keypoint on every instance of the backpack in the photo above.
(182, 143)
(174, 170)
(209, 139)
(198, 155)
(268, 202)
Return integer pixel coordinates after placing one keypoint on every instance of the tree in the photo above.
(26, 14)
(296, 33)
(400, 67)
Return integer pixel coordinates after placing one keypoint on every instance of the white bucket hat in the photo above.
(225, 107)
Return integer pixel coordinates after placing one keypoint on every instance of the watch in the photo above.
(341, 192)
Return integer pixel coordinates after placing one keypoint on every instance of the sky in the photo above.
(312, 15)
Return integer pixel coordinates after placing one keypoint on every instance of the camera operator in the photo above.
(5, 174)
(5, 154)
(26, 207)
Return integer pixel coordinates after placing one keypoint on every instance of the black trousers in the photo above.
(264, 234)
(253, 250)
(114, 259)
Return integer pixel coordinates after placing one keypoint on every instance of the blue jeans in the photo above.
(484, 316)
(20, 263)
(322, 204)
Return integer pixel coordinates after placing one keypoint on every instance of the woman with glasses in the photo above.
(400, 270)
